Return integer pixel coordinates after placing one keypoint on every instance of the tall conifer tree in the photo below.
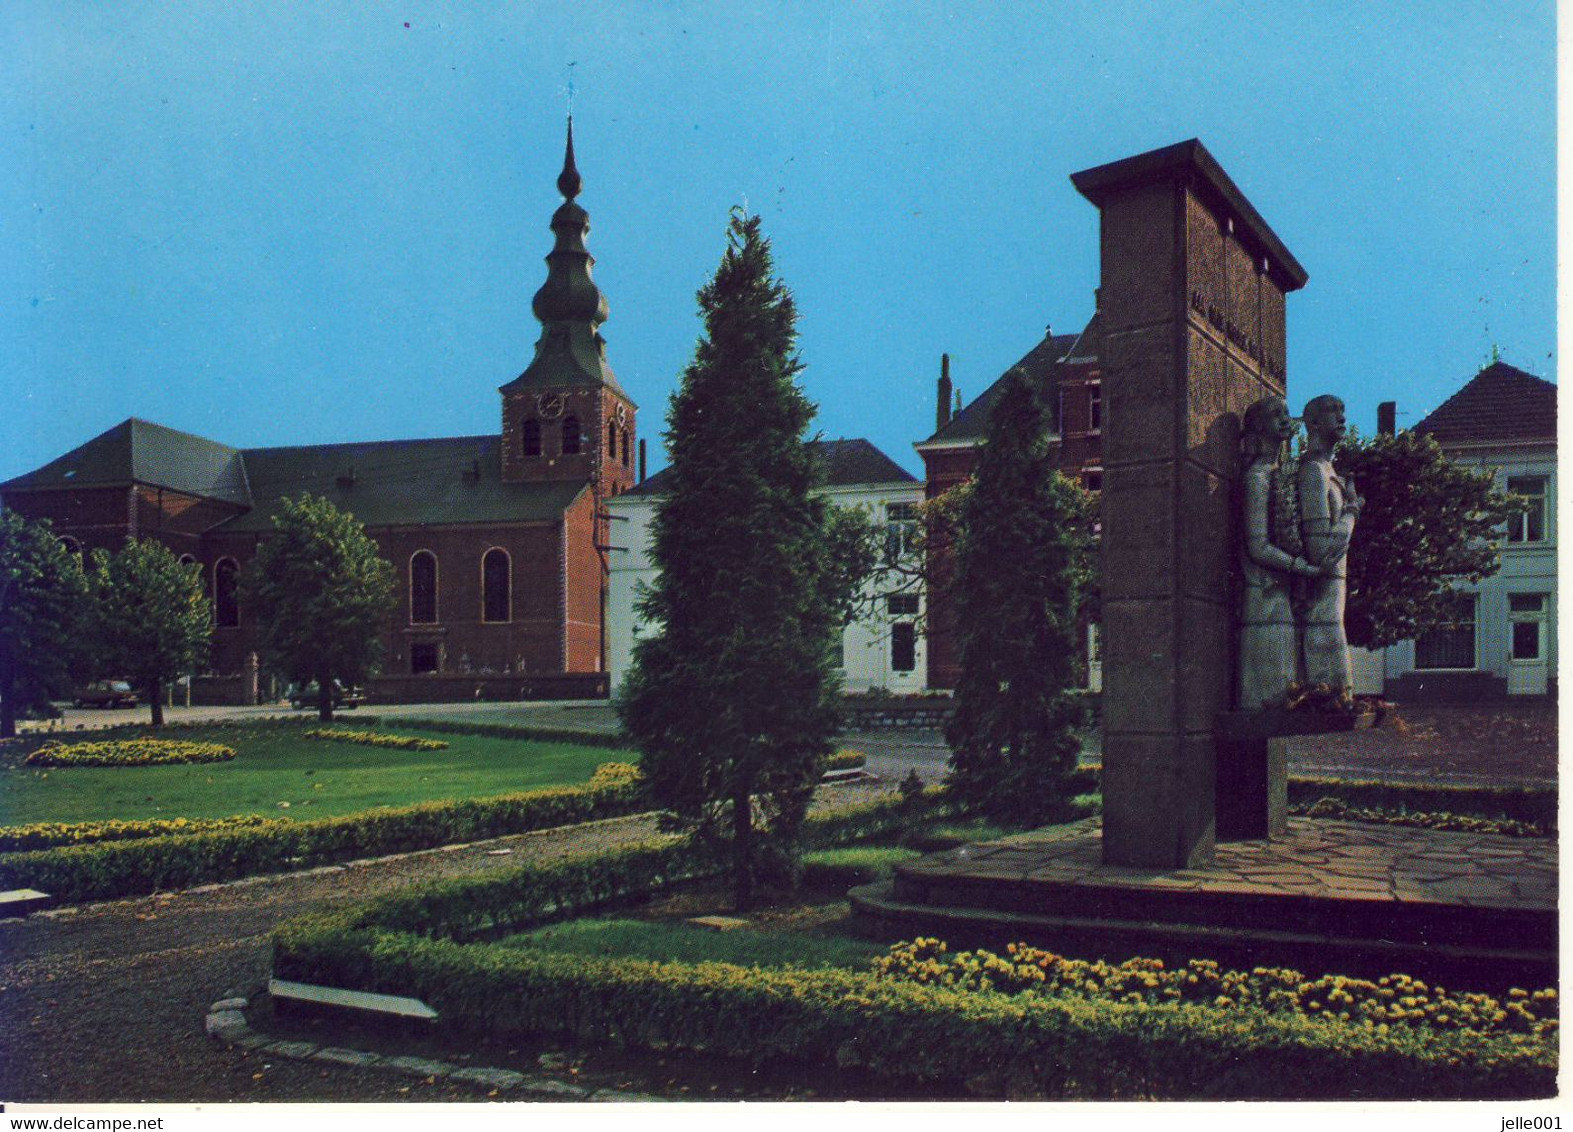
(734, 704)
(1021, 563)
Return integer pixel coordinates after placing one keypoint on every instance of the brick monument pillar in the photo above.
(1191, 303)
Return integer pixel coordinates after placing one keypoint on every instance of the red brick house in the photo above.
(497, 541)
(1066, 363)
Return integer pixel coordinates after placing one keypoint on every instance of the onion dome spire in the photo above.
(569, 305)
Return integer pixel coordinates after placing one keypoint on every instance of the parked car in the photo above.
(106, 694)
(343, 697)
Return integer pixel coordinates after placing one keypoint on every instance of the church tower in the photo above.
(566, 418)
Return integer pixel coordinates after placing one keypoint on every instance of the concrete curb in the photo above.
(226, 1023)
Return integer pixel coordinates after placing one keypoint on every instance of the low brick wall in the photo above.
(452, 689)
(1446, 688)
(216, 691)
(877, 715)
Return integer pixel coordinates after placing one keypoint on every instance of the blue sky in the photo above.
(314, 222)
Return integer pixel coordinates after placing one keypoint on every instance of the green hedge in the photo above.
(134, 867)
(1536, 804)
(411, 943)
(612, 740)
(49, 834)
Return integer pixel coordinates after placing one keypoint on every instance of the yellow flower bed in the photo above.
(377, 739)
(129, 752)
(49, 834)
(1393, 1000)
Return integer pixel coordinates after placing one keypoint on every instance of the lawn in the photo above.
(689, 943)
(276, 763)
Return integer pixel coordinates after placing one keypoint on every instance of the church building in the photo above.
(498, 542)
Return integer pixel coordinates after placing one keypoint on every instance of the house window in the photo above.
(226, 593)
(901, 529)
(423, 658)
(1527, 612)
(532, 437)
(1092, 479)
(903, 646)
(902, 605)
(423, 587)
(571, 437)
(1450, 644)
(1095, 407)
(1530, 526)
(496, 586)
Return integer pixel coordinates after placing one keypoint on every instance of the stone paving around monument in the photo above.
(1331, 859)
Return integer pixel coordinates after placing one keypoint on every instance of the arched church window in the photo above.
(611, 439)
(226, 593)
(625, 447)
(496, 586)
(532, 437)
(423, 587)
(571, 436)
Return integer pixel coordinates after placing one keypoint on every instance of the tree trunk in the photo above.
(155, 695)
(7, 705)
(742, 846)
(324, 697)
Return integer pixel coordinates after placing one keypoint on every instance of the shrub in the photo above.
(1340, 809)
(377, 739)
(844, 760)
(129, 752)
(583, 737)
(46, 835)
(132, 867)
(1393, 1000)
(1034, 1045)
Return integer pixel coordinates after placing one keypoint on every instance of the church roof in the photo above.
(1500, 403)
(140, 452)
(844, 463)
(972, 423)
(401, 483)
(387, 483)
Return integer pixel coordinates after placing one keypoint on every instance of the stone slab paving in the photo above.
(1318, 858)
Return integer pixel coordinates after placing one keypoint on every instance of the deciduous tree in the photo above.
(151, 621)
(43, 616)
(321, 594)
(1427, 523)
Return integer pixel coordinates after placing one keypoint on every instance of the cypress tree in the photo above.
(734, 703)
(1021, 565)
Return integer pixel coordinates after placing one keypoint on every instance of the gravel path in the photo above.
(106, 1002)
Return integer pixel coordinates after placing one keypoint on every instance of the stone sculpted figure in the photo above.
(1329, 506)
(1269, 636)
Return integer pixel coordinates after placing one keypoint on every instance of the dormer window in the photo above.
(532, 437)
(571, 436)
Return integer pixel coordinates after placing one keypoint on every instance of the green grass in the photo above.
(857, 864)
(276, 763)
(686, 943)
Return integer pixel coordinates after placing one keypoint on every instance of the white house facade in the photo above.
(884, 649)
(1502, 638)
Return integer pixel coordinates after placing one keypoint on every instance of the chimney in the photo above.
(1387, 418)
(641, 461)
(942, 407)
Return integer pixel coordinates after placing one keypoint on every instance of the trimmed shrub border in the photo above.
(48, 834)
(110, 869)
(612, 740)
(377, 739)
(412, 943)
(145, 751)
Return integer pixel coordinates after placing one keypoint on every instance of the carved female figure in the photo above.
(1329, 506)
(1269, 641)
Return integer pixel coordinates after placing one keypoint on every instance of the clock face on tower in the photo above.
(549, 405)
